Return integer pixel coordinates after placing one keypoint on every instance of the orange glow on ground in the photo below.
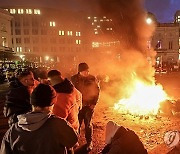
(144, 99)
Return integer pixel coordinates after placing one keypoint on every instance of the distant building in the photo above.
(39, 33)
(166, 42)
(5, 30)
(103, 34)
(177, 17)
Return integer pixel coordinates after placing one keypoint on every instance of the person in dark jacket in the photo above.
(39, 132)
(69, 99)
(18, 98)
(87, 84)
(119, 140)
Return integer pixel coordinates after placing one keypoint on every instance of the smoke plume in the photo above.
(132, 59)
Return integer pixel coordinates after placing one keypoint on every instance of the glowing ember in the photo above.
(144, 99)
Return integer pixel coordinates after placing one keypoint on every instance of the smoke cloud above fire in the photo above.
(131, 59)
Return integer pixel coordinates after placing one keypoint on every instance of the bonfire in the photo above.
(143, 99)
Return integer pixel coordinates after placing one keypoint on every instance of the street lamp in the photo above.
(22, 57)
(149, 21)
(47, 58)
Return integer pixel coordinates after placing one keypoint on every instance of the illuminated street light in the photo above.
(46, 57)
(22, 57)
(148, 20)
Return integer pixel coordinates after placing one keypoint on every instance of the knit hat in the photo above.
(43, 96)
(82, 67)
(111, 129)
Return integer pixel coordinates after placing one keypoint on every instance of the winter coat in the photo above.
(69, 102)
(38, 133)
(125, 141)
(89, 88)
(17, 100)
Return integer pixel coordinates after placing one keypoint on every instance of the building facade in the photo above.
(42, 35)
(5, 30)
(166, 42)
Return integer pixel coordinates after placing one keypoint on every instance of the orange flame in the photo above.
(144, 99)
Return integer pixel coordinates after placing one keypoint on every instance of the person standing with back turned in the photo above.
(87, 84)
(39, 132)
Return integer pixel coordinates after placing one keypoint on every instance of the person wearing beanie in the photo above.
(87, 84)
(119, 139)
(39, 131)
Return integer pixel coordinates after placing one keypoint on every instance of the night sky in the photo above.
(163, 9)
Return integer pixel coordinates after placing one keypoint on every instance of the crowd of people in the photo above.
(46, 115)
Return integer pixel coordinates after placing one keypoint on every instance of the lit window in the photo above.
(89, 17)
(78, 33)
(107, 19)
(92, 23)
(20, 11)
(3, 41)
(37, 11)
(95, 20)
(95, 44)
(96, 32)
(110, 28)
(101, 20)
(69, 33)
(78, 41)
(52, 23)
(6, 9)
(61, 32)
(12, 11)
(19, 49)
(95, 17)
(98, 26)
(104, 17)
(148, 44)
(28, 11)
(107, 28)
(158, 45)
(95, 29)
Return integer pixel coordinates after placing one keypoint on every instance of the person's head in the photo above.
(43, 97)
(54, 77)
(42, 77)
(83, 69)
(26, 77)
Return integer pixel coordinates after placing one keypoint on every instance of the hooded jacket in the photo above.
(37, 133)
(69, 102)
(124, 141)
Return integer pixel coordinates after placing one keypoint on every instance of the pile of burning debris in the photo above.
(145, 100)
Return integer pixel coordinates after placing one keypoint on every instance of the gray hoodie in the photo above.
(37, 133)
(32, 121)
